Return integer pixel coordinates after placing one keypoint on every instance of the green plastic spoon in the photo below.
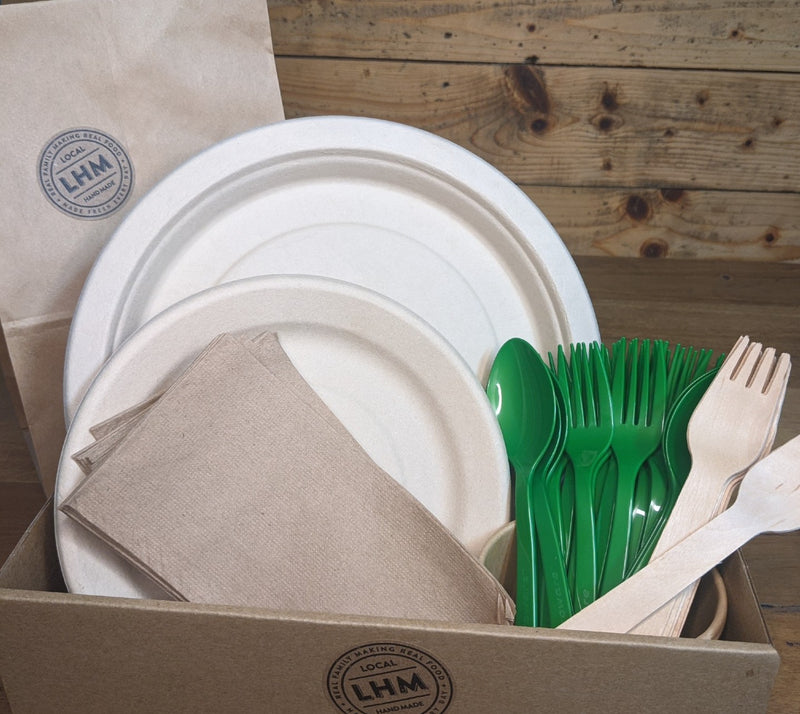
(543, 484)
(525, 406)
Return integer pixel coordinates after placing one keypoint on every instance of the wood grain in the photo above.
(664, 286)
(577, 126)
(673, 223)
(713, 34)
(650, 129)
(623, 162)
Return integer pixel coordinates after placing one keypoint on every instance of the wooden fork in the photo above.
(732, 428)
(769, 502)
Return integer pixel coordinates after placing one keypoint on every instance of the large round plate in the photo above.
(378, 204)
(400, 389)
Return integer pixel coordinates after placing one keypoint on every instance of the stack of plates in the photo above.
(392, 264)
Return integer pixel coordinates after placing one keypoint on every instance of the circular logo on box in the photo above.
(85, 173)
(386, 677)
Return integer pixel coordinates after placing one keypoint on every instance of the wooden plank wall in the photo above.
(642, 128)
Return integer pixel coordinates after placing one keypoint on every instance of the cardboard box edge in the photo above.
(47, 587)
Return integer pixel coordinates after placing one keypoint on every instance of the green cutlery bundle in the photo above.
(597, 440)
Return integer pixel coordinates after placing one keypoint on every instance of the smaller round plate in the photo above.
(398, 386)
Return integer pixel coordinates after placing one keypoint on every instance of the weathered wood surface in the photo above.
(624, 162)
(577, 126)
(642, 129)
(715, 34)
(675, 223)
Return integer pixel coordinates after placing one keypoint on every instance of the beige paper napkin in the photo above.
(235, 489)
(109, 433)
(123, 420)
(156, 82)
(265, 347)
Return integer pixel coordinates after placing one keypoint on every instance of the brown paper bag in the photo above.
(102, 98)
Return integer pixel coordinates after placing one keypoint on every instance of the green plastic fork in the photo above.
(644, 492)
(653, 501)
(684, 366)
(604, 509)
(586, 383)
(639, 394)
(652, 487)
(674, 457)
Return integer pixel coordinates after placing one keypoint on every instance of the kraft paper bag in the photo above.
(101, 99)
(238, 486)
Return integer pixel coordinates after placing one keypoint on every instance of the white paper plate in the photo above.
(375, 203)
(402, 391)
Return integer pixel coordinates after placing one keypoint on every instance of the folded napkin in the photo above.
(265, 348)
(110, 432)
(239, 486)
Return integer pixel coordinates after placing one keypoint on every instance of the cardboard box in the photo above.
(63, 653)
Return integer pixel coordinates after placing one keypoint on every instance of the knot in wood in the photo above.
(637, 207)
(609, 99)
(527, 89)
(607, 122)
(654, 248)
(673, 195)
(539, 125)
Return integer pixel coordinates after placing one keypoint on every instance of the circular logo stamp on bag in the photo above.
(387, 677)
(85, 173)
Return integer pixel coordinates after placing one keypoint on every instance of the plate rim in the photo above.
(93, 320)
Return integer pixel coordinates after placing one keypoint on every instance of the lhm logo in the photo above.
(386, 677)
(85, 173)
